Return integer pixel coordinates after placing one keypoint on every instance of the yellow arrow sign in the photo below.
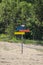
(19, 33)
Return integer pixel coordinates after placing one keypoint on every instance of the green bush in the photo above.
(3, 37)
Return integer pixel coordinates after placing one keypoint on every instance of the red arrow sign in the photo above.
(24, 30)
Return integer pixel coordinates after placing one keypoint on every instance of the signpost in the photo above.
(21, 31)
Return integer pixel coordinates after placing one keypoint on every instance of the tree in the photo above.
(16, 12)
(0, 1)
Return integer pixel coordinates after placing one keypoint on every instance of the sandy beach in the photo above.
(10, 54)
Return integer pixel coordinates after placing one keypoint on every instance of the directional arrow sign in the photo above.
(24, 30)
(19, 33)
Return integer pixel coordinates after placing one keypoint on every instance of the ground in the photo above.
(10, 54)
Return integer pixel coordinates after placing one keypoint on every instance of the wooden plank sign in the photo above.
(19, 33)
(24, 30)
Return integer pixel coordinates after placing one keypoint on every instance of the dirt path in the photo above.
(10, 54)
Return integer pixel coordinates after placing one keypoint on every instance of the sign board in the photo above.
(24, 30)
(20, 28)
(19, 33)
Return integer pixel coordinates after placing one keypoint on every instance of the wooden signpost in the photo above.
(21, 32)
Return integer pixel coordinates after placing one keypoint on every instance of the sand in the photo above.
(10, 54)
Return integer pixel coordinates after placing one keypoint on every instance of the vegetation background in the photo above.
(14, 13)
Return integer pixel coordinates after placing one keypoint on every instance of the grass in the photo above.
(4, 37)
(33, 41)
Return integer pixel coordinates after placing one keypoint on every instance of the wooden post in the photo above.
(22, 45)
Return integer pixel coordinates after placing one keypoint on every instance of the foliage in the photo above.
(17, 12)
